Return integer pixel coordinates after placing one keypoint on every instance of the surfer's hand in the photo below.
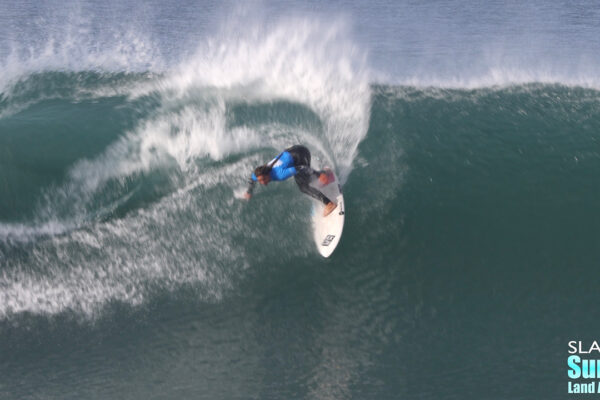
(247, 196)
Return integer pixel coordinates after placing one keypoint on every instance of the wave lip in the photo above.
(498, 77)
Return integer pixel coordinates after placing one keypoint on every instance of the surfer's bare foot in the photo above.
(323, 179)
(329, 208)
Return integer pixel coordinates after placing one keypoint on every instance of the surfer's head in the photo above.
(263, 174)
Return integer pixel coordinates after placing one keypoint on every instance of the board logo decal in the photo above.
(328, 240)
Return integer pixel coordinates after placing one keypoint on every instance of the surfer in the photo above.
(294, 161)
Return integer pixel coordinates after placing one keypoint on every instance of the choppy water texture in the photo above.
(130, 266)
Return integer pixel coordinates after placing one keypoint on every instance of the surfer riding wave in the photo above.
(293, 161)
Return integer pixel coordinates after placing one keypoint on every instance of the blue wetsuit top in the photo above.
(283, 167)
(294, 161)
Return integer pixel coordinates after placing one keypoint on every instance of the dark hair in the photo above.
(262, 170)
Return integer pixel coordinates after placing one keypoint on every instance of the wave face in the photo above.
(133, 175)
(118, 200)
(130, 266)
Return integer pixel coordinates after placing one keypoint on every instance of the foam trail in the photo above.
(121, 260)
(84, 257)
(297, 61)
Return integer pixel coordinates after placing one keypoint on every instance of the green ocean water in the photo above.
(466, 139)
(131, 269)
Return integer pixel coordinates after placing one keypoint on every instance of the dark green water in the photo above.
(131, 268)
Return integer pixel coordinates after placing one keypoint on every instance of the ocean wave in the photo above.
(154, 205)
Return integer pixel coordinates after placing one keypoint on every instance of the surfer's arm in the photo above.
(251, 184)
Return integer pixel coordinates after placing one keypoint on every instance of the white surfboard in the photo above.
(327, 231)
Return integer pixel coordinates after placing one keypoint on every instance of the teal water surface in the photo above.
(131, 267)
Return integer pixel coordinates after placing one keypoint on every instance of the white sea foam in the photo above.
(119, 260)
(310, 62)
